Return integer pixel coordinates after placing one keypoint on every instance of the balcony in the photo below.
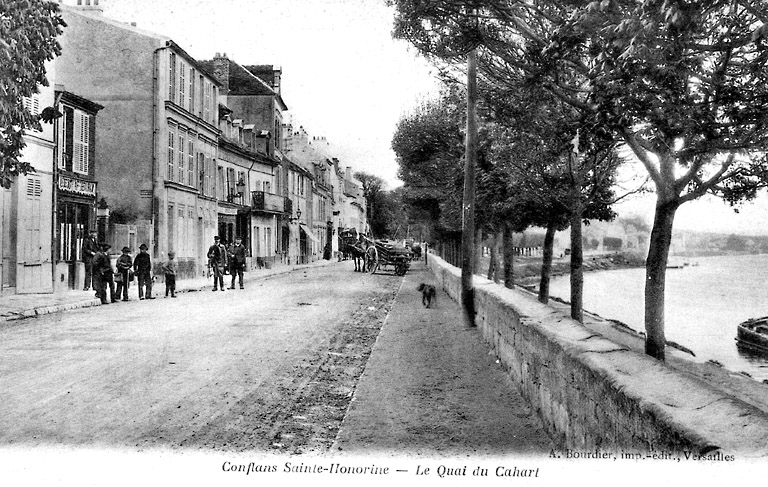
(270, 203)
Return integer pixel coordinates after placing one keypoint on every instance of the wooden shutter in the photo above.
(81, 142)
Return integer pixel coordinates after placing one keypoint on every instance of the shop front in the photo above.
(75, 210)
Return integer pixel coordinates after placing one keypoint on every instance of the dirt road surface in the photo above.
(270, 368)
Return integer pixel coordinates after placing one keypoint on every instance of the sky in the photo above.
(346, 79)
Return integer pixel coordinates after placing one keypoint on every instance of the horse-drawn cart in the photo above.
(390, 254)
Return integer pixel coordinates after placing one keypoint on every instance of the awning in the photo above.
(309, 233)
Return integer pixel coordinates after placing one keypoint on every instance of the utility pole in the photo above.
(468, 213)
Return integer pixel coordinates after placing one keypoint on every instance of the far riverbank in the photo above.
(527, 270)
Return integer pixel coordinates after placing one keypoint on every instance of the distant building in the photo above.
(316, 230)
(248, 208)
(252, 94)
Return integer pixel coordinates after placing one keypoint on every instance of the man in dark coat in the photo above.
(102, 270)
(142, 266)
(237, 261)
(90, 247)
(216, 256)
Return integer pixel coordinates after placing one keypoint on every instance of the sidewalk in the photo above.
(20, 306)
(431, 388)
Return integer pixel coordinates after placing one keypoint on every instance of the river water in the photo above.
(704, 302)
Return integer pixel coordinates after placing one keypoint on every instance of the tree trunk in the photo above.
(546, 264)
(655, 279)
(479, 246)
(509, 257)
(492, 263)
(577, 269)
(497, 239)
(468, 224)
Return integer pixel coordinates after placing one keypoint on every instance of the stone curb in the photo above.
(56, 308)
(45, 310)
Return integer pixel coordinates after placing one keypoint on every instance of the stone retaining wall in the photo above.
(592, 393)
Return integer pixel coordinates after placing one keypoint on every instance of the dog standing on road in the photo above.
(428, 294)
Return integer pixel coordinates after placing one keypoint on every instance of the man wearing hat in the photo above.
(124, 264)
(90, 247)
(216, 255)
(102, 271)
(142, 266)
(237, 261)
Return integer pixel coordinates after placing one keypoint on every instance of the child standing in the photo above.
(169, 269)
(124, 264)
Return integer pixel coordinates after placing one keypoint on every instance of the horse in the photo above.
(358, 251)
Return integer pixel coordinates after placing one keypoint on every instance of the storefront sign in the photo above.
(77, 186)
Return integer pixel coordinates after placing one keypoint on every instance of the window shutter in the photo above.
(32, 104)
(31, 249)
(81, 142)
(61, 142)
(86, 140)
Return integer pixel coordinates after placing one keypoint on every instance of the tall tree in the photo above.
(28, 31)
(468, 199)
(373, 186)
(429, 146)
(683, 84)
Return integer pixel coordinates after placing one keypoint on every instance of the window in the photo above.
(192, 90)
(277, 134)
(191, 161)
(207, 102)
(172, 78)
(81, 142)
(212, 175)
(171, 150)
(214, 97)
(32, 104)
(201, 167)
(220, 180)
(180, 162)
(201, 90)
(182, 84)
(231, 184)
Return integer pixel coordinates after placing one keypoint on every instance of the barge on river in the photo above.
(753, 335)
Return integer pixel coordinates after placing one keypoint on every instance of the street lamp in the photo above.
(240, 187)
(297, 218)
(102, 219)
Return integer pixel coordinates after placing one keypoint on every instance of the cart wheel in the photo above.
(372, 259)
(400, 269)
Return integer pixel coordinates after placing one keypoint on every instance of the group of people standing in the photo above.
(100, 275)
(221, 257)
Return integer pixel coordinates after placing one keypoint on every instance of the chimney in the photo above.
(348, 174)
(86, 6)
(221, 71)
(277, 72)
